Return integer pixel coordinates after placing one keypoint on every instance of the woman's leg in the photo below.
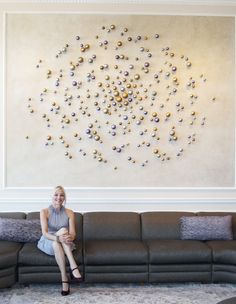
(60, 259)
(69, 254)
(73, 265)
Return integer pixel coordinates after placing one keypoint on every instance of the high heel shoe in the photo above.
(79, 280)
(65, 292)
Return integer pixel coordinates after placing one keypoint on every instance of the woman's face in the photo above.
(58, 198)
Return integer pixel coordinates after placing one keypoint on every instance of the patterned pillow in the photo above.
(206, 228)
(20, 230)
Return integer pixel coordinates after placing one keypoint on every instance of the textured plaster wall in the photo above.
(208, 42)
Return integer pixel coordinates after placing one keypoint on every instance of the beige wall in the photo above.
(208, 163)
(208, 42)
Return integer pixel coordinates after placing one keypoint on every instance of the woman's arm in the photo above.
(72, 231)
(44, 225)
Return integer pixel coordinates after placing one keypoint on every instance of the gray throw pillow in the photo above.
(20, 230)
(206, 228)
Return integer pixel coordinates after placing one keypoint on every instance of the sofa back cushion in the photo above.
(233, 214)
(13, 215)
(78, 222)
(112, 225)
(162, 225)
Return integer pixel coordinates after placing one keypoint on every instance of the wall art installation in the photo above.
(119, 101)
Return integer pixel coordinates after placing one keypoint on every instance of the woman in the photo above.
(58, 229)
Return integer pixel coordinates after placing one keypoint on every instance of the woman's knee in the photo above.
(55, 245)
(61, 231)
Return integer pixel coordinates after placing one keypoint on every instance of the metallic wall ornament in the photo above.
(106, 101)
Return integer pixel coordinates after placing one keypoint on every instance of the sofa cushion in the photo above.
(114, 252)
(8, 253)
(223, 252)
(112, 226)
(162, 225)
(19, 230)
(13, 215)
(178, 252)
(30, 255)
(206, 227)
(233, 214)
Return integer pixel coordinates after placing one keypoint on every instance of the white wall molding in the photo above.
(146, 2)
(148, 7)
(88, 205)
(120, 199)
(123, 200)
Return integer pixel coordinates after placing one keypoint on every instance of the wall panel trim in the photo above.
(116, 199)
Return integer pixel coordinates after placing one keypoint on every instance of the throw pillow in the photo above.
(20, 230)
(206, 228)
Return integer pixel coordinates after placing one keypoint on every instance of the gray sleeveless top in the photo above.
(57, 219)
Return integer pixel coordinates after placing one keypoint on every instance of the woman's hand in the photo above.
(66, 238)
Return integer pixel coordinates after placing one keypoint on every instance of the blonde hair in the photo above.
(60, 188)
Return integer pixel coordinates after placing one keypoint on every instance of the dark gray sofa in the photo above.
(113, 248)
(9, 255)
(172, 259)
(223, 254)
(125, 247)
